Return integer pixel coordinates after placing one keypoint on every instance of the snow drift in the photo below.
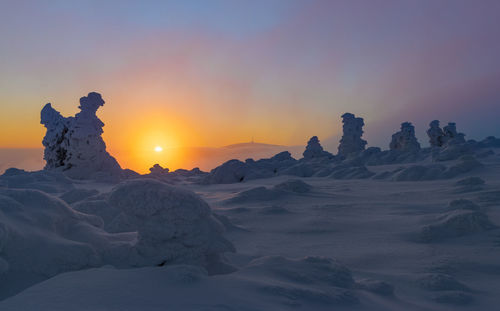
(174, 225)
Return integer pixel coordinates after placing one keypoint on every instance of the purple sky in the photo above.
(280, 71)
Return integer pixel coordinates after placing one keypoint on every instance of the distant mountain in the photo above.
(253, 145)
(24, 158)
(206, 158)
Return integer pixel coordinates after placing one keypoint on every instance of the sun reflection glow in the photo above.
(158, 149)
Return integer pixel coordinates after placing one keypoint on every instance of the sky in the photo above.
(213, 73)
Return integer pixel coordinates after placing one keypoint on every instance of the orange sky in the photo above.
(199, 74)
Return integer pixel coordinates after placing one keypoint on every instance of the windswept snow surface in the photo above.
(423, 237)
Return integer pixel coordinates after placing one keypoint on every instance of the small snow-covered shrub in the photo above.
(230, 172)
(174, 225)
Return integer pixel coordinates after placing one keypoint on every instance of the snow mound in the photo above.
(421, 172)
(454, 298)
(463, 204)
(256, 194)
(76, 195)
(293, 296)
(274, 210)
(351, 172)
(234, 171)
(301, 169)
(437, 171)
(226, 222)
(293, 185)
(470, 181)
(465, 164)
(485, 154)
(315, 280)
(452, 152)
(41, 236)
(440, 282)
(375, 286)
(180, 175)
(308, 270)
(489, 142)
(174, 225)
(455, 224)
(46, 181)
(490, 197)
(114, 221)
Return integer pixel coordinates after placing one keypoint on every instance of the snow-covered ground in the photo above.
(314, 243)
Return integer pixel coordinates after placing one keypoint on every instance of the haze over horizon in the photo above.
(209, 74)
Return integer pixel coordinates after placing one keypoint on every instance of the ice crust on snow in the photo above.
(74, 145)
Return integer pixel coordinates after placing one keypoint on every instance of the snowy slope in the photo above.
(358, 244)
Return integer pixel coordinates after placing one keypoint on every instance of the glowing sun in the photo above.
(158, 149)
